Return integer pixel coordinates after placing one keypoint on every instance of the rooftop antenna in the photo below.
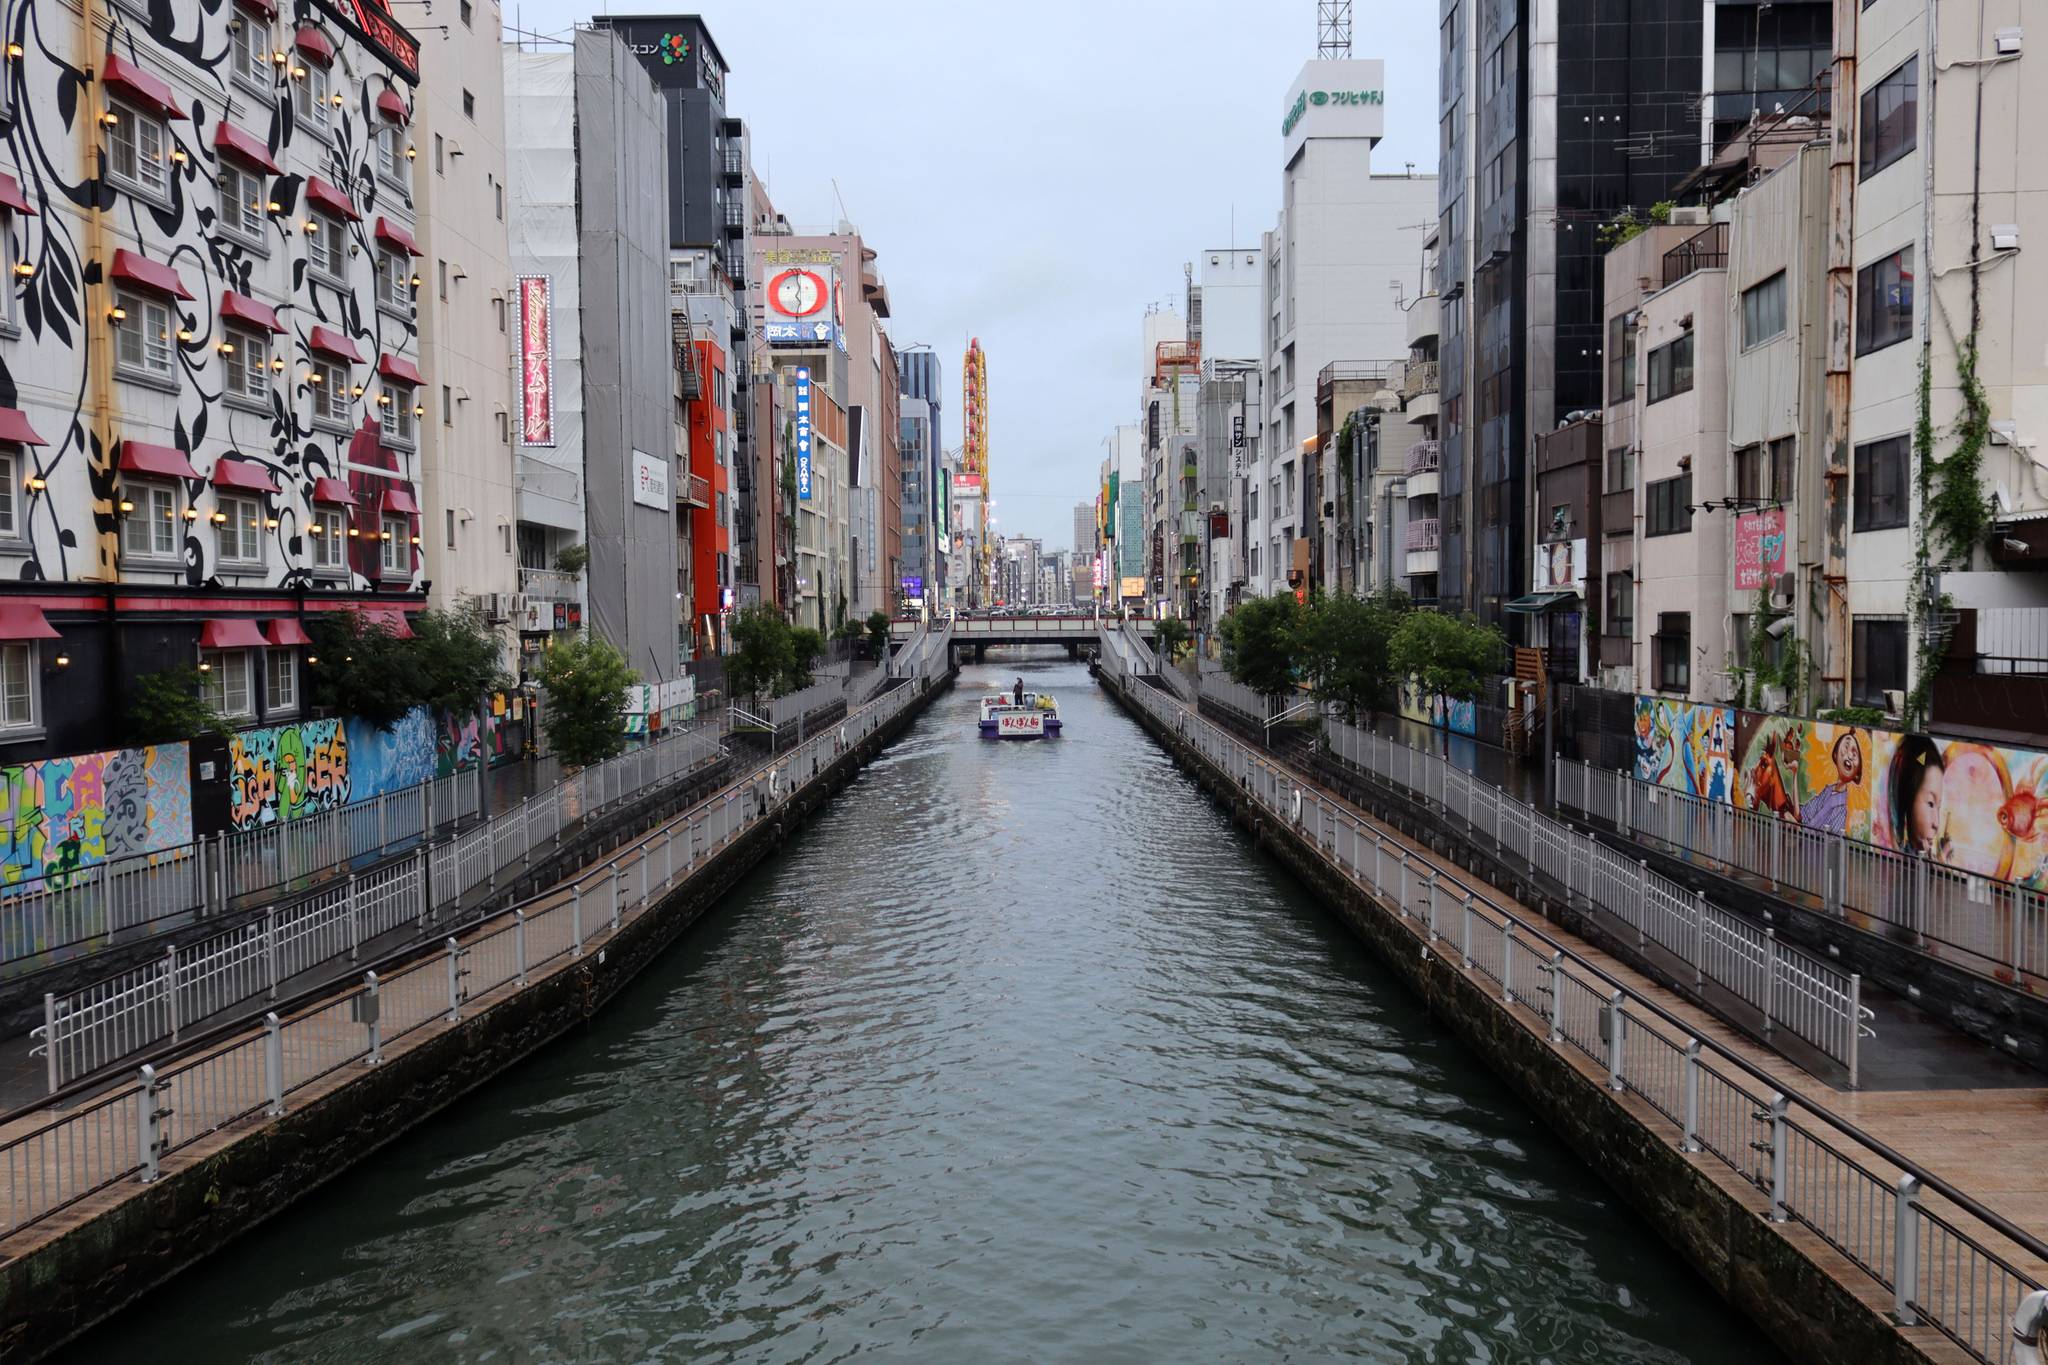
(1333, 30)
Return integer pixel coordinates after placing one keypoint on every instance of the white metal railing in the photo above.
(1993, 925)
(132, 1131)
(1266, 709)
(1945, 1258)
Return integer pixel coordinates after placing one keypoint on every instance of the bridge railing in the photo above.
(1944, 1257)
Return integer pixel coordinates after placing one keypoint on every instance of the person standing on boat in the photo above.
(1020, 691)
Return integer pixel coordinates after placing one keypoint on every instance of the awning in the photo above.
(285, 631)
(323, 195)
(165, 462)
(391, 234)
(250, 478)
(241, 308)
(1536, 603)
(399, 368)
(140, 270)
(24, 621)
(391, 105)
(334, 344)
(11, 197)
(245, 146)
(400, 501)
(14, 428)
(315, 45)
(231, 632)
(333, 492)
(391, 619)
(151, 92)
(262, 7)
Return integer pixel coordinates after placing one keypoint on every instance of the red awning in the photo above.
(399, 368)
(24, 621)
(391, 105)
(262, 7)
(399, 500)
(165, 462)
(245, 146)
(241, 308)
(14, 428)
(151, 92)
(391, 234)
(323, 195)
(332, 492)
(285, 631)
(390, 618)
(13, 200)
(315, 45)
(250, 478)
(335, 344)
(231, 632)
(138, 269)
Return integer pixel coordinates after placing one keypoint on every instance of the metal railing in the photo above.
(1706, 249)
(1419, 378)
(552, 584)
(1424, 457)
(1991, 925)
(1420, 534)
(1943, 1265)
(131, 1132)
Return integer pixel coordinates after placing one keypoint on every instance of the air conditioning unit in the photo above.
(498, 607)
(519, 605)
(1774, 698)
(1894, 701)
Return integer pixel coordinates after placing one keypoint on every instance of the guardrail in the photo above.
(1852, 1190)
(131, 1132)
(2001, 925)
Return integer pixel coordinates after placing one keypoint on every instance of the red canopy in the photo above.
(14, 428)
(391, 234)
(231, 632)
(399, 368)
(246, 146)
(399, 500)
(12, 199)
(333, 492)
(151, 92)
(165, 462)
(241, 308)
(286, 631)
(326, 196)
(315, 45)
(262, 7)
(391, 105)
(390, 618)
(139, 269)
(334, 343)
(24, 621)
(250, 478)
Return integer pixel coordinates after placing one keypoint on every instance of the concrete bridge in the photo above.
(1074, 632)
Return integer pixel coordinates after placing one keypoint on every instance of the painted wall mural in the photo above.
(62, 815)
(288, 772)
(1460, 717)
(1972, 806)
(1806, 772)
(1686, 746)
(391, 760)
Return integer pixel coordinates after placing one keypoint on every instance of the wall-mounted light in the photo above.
(226, 348)
(127, 505)
(275, 207)
(353, 532)
(63, 659)
(338, 99)
(386, 535)
(37, 483)
(419, 409)
(269, 523)
(205, 667)
(312, 659)
(184, 334)
(220, 518)
(110, 118)
(14, 51)
(309, 227)
(191, 514)
(298, 73)
(384, 400)
(415, 281)
(356, 392)
(412, 154)
(277, 363)
(24, 269)
(348, 658)
(117, 314)
(313, 377)
(177, 156)
(415, 540)
(280, 57)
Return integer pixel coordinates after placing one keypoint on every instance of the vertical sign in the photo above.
(1759, 548)
(536, 362)
(803, 433)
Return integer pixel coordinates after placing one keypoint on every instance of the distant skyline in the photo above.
(1037, 177)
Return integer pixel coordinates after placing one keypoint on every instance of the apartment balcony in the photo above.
(1706, 250)
(551, 585)
(732, 165)
(1350, 372)
(735, 218)
(1421, 534)
(1618, 513)
(1418, 379)
(1422, 407)
(1423, 316)
(694, 489)
(1423, 458)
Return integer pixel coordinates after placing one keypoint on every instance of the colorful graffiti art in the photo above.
(65, 814)
(1805, 772)
(391, 760)
(1686, 746)
(1972, 806)
(1459, 716)
(455, 742)
(287, 772)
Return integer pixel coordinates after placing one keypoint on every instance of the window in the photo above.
(391, 159)
(252, 49)
(327, 246)
(504, 427)
(241, 535)
(1621, 605)
(241, 202)
(330, 391)
(440, 166)
(1621, 360)
(330, 538)
(396, 415)
(441, 279)
(138, 151)
(18, 686)
(247, 357)
(1671, 369)
(309, 97)
(1889, 119)
(500, 191)
(1878, 483)
(1673, 647)
(451, 527)
(150, 530)
(1763, 311)
(394, 281)
(395, 552)
(1668, 511)
(468, 105)
(10, 527)
(1252, 507)
(1884, 302)
(447, 407)
(468, 13)
(280, 680)
(226, 682)
(1878, 665)
(1621, 469)
(1784, 469)
(142, 344)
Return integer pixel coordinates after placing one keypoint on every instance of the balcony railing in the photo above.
(551, 584)
(1618, 512)
(733, 162)
(1707, 250)
(735, 215)
(1420, 379)
(1424, 457)
(1422, 534)
(695, 490)
(1347, 372)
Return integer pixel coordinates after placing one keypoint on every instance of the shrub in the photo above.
(1452, 655)
(169, 706)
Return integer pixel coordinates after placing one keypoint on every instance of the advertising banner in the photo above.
(1561, 565)
(1759, 548)
(650, 480)
(536, 361)
(803, 433)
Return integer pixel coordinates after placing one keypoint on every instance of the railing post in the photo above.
(519, 946)
(1432, 905)
(1855, 1023)
(273, 1063)
(50, 1066)
(270, 963)
(1557, 996)
(1770, 979)
(355, 919)
(615, 897)
(526, 832)
(1507, 963)
(1642, 903)
(576, 916)
(1779, 1141)
(1838, 873)
(170, 980)
(1617, 1024)
(426, 882)
(1906, 1249)
(1401, 882)
(373, 1007)
(1465, 930)
(643, 877)
(1689, 1140)
(1699, 940)
(668, 858)
(454, 981)
(148, 1118)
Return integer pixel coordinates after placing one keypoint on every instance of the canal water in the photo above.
(1018, 1052)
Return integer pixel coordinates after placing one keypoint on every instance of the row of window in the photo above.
(229, 680)
(1877, 649)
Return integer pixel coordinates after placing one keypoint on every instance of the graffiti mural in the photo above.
(287, 772)
(1972, 806)
(1805, 772)
(62, 815)
(391, 760)
(1686, 746)
(1459, 716)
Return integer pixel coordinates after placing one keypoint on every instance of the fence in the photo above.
(1853, 1191)
(129, 1133)
(2000, 925)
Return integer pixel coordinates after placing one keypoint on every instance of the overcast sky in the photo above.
(1035, 175)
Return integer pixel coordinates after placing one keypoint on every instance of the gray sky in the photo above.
(1035, 175)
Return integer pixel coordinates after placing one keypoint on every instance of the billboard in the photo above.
(1132, 587)
(803, 433)
(650, 480)
(967, 485)
(1759, 548)
(536, 361)
(1561, 566)
(787, 333)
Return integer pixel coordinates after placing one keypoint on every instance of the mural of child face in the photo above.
(1848, 760)
(1923, 815)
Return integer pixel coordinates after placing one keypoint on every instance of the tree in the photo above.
(1171, 637)
(1343, 644)
(571, 559)
(458, 657)
(585, 681)
(1259, 642)
(363, 669)
(1452, 655)
(169, 706)
(878, 631)
(805, 645)
(761, 654)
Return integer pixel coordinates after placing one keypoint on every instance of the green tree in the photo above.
(169, 706)
(585, 682)
(459, 658)
(363, 669)
(1343, 645)
(571, 559)
(1448, 654)
(1171, 638)
(1259, 642)
(805, 646)
(878, 631)
(761, 654)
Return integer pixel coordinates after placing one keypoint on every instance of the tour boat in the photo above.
(1002, 717)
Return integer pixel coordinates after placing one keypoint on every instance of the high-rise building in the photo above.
(926, 498)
